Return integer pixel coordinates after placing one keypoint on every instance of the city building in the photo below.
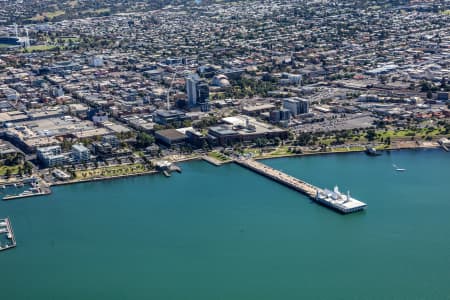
(100, 117)
(243, 129)
(165, 117)
(296, 105)
(111, 139)
(80, 153)
(50, 156)
(96, 61)
(280, 115)
(220, 80)
(170, 137)
(197, 92)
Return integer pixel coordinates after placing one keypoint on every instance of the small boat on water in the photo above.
(398, 169)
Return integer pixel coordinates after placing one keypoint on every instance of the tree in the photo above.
(144, 140)
(425, 86)
(28, 168)
(260, 142)
(66, 145)
(443, 83)
(370, 135)
(303, 139)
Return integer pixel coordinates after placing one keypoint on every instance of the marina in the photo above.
(29, 187)
(28, 193)
(7, 238)
(332, 199)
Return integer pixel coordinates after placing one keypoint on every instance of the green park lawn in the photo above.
(219, 156)
(111, 171)
(40, 48)
(49, 15)
(14, 170)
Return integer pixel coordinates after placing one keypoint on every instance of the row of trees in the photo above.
(25, 169)
(11, 159)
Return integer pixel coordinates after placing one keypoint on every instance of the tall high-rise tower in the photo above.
(197, 92)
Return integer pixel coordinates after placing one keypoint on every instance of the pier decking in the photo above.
(346, 205)
(6, 228)
(283, 178)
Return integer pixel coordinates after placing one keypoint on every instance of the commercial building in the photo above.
(111, 139)
(443, 96)
(165, 117)
(170, 137)
(197, 92)
(280, 115)
(296, 105)
(243, 129)
(255, 110)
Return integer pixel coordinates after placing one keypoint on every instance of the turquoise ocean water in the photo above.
(227, 233)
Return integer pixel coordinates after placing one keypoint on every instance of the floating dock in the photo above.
(343, 204)
(6, 228)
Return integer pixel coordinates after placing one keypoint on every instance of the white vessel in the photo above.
(398, 169)
(338, 201)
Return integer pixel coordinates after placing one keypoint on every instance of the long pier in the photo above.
(278, 176)
(332, 199)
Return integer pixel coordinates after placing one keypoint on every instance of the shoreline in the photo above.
(201, 158)
(103, 178)
(345, 151)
